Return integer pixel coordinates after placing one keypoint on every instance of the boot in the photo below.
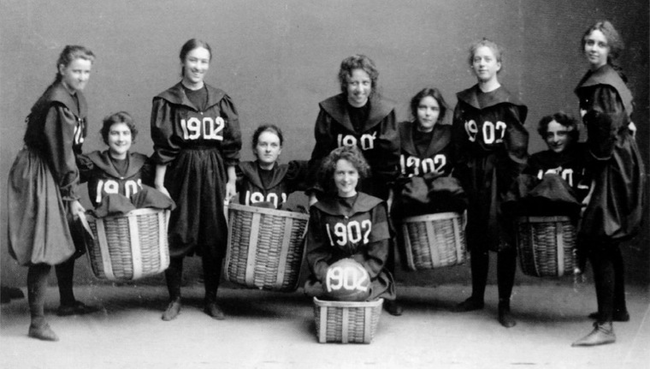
(173, 309)
(602, 334)
(505, 317)
(470, 304)
(76, 308)
(393, 308)
(42, 332)
(212, 309)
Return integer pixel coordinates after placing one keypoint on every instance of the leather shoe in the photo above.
(602, 334)
(505, 317)
(76, 308)
(43, 333)
(211, 308)
(173, 309)
(618, 316)
(468, 305)
(393, 308)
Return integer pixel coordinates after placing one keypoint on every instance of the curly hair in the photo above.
(352, 154)
(264, 127)
(358, 61)
(120, 117)
(496, 49)
(562, 118)
(432, 92)
(614, 40)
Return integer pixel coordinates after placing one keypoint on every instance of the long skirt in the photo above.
(37, 223)
(196, 181)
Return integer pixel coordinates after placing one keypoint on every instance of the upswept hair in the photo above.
(190, 45)
(496, 49)
(358, 61)
(352, 154)
(264, 127)
(71, 53)
(434, 93)
(119, 117)
(564, 119)
(614, 40)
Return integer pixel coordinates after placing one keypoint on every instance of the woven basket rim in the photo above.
(543, 219)
(434, 216)
(255, 209)
(132, 213)
(351, 304)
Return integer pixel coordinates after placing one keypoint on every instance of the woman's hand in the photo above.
(312, 199)
(632, 128)
(231, 190)
(76, 208)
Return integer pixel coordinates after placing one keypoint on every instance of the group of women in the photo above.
(366, 172)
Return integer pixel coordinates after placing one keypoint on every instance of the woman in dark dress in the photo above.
(43, 193)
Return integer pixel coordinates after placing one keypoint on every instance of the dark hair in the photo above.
(264, 128)
(71, 53)
(428, 91)
(614, 40)
(564, 119)
(120, 117)
(353, 62)
(350, 153)
(496, 49)
(190, 45)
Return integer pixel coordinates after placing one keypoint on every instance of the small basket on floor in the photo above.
(265, 247)
(546, 245)
(434, 240)
(346, 321)
(129, 247)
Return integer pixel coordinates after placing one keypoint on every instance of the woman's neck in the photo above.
(265, 166)
(192, 86)
(489, 85)
(70, 90)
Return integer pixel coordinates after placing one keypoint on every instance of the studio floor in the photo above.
(276, 330)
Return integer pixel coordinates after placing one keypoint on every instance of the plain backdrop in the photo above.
(278, 59)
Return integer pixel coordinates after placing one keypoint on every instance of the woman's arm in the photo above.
(231, 185)
(159, 179)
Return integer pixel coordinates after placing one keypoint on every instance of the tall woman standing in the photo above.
(491, 150)
(615, 201)
(43, 190)
(195, 130)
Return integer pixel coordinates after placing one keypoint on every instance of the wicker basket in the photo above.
(265, 247)
(546, 245)
(131, 246)
(434, 240)
(346, 321)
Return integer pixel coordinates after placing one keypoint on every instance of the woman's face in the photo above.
(76, 74)
(268, 148)
(119, 140)
(359, 87)
(196, 65)
(346, 178)
(428, 113)
(558, 137)
(485, 64)
(596, 49)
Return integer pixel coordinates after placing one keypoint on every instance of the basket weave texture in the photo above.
(546, 245)
(346, 321)
(434, 240)
(265, 247)
(131, 246)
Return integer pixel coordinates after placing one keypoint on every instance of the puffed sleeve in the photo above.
(148, 172)
(297, 175)
(86, 167)
(386, 156)
(374, 255)
(166, 143)
(59, 131)
(460, 145)
(319, 251)
(516, 146)
(231, 144)
(605, 115)
(325, 143)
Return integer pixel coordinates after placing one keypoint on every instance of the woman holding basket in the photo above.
(491, 149)
(614, 205)
(43, 193)
(195, 130)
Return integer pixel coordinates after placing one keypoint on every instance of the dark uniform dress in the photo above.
(491, 147)
(105, 176)
(257, 185)
(356, 228)
(44, 178)
(197, 144)
(373, 128)
(616, 197)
